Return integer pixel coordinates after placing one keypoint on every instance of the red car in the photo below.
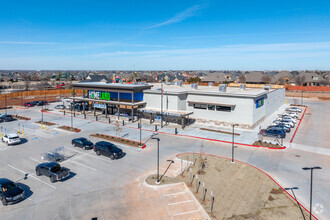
(27, 104)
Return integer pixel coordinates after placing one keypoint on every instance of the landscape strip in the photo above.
(298, 125)
(211, 155)
(182, 135)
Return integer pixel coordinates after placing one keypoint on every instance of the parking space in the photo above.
(288, 134)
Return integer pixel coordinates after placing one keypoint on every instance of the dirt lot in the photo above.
(240, 191)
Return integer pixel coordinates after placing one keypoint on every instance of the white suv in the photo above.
(10, 139)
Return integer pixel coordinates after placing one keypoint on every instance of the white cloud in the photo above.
(227, 49)
(189, 12)
(25, 42)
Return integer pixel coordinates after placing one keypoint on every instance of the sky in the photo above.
(165, 35)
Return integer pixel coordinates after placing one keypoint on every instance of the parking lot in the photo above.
(97, 184)
(89, 172)
(289, 135)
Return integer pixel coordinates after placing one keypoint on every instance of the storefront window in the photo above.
(223, 108)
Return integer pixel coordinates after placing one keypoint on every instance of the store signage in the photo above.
(259, 102)
(99, 95)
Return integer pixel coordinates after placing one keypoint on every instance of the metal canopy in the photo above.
(156, 111)
(108, 102)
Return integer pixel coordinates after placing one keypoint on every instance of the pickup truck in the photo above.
(53, 170)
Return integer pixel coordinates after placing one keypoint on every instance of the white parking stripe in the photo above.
(17, 169)
(42, 181)
(173, 194)
(97, 157)
(176, 203)
(35, 160)
(31, 176)
(83, 165)
(183, 213)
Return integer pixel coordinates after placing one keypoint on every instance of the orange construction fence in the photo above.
(308, 88)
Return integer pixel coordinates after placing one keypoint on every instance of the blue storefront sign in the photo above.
(260, 102)
(103, 95)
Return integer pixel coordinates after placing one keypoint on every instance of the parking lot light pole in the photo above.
(6, 103)
(140, 126)
(311, 190)
(155, 138)
(232, 147)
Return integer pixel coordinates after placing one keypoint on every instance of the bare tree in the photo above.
(118, 130)
(281, 80)
(242, 78)
(266, 79)
(300, 80)
(27, 80)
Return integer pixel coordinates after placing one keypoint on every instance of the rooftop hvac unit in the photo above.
(223, 88)
(194, 85)
(242, 87)
(210, 83)
(267, 87)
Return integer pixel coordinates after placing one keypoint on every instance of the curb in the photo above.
(181, 135)
(211, 155)
(294, 134)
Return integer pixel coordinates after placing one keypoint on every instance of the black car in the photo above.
(6, 118)
(83, 143)
(108, 149)
(286, 129)
(10, 193)
(41, 103)
(34, 103)
(53, 170)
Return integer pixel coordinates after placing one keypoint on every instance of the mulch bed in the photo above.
(118, 140)
(46, 123)
(219, 131)
(46, 110)
(21, 117)
(266, 144)
(68, 128)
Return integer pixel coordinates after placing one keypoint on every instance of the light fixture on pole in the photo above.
(232, 147)
(311, 190)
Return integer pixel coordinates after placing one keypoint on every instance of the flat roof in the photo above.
(208, 90)
(109, 86)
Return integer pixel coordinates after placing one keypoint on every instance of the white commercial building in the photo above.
(207, 104)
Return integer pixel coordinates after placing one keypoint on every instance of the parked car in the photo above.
(83, 143)
(279, 133)
(285, 128)
(53, 170)
(59, 107)
(291, 114)
(289, 123)
(41, 103)
(6, 118)
(293, 109)
(280, 124)
(11, 139)
(108, 149)
(10, 192)
(287, 118)
(34, 103)
(27, 104)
